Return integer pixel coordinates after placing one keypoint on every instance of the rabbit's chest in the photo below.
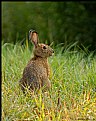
(42, 71)
(40, 68)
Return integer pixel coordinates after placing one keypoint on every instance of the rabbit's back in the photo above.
(35, 74)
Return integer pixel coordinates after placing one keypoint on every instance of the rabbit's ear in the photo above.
(33, 36)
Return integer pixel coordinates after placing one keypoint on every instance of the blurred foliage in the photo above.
(58, 22)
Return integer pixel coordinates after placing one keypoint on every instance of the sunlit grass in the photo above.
(73, 93)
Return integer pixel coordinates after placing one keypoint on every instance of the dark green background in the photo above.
(61, 22)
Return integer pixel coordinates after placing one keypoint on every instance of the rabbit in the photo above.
(36, 73)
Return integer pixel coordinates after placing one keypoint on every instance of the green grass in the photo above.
(73, 93)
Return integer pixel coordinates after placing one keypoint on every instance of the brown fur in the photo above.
(36, 73)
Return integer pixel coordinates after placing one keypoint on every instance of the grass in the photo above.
(73, 93)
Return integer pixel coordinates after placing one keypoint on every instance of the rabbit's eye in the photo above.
(44, 47)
